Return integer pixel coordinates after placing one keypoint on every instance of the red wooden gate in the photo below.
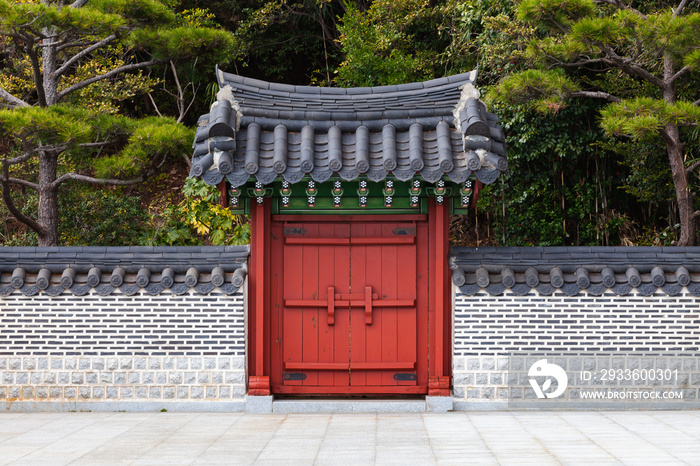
(350, 315)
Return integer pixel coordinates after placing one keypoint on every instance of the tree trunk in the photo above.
(684, 197)
(49, 69)
(48, 204)
(672, 136)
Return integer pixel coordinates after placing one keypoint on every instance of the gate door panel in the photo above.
(383, 347)
(350, 312)
(315, 339)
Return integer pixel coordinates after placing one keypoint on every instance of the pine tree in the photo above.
(61, 142)
(641, 59)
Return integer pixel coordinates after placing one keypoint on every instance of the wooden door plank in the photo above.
(323, 334)
(292, 337)
(314, 287)
(276, 308)
(406, 318)
(391, 274)
(422, 303)
(341, 329)
(371, 334)
(358, 267)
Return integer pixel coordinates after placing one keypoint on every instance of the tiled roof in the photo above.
(77, 270)
(574, 269)
(266, 130)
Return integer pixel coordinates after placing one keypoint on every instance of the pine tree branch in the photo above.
(696, 214)
(78, 3)
(692, 167)
(83, 53)
(22, 38)
(596, 95)
(630, 68)
(114, 72)
(21, 182)
(4, 95)
(95, 144)
(21, 159)
(680, 73)
(89, 179)
(77, 43)
(697, 102)
(680, 8)
(7, 196)
(182, 107)
(38, 78)
(155, 105)
(580, 63)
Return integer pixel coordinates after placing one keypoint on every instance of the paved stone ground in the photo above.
(659, 437)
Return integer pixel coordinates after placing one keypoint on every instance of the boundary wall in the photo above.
(136, 329)
(622, 323)
(144, 329)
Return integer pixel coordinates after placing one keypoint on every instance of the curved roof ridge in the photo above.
(414, 88)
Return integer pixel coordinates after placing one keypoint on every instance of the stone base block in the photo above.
(438, 404)
(258, 404)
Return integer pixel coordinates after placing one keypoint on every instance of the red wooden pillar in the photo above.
(258, 379)
(223, 199)
(440, 301)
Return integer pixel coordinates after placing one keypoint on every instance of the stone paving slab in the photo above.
(502, 438)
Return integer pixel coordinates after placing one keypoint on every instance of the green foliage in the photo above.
(654, 237)
(153, 138)
(198, 17)
(104, 96)
(73, 129)
(644, 117)
(555, 189)
(377, 46)
(648, 178)
(39, 16)
(282, 40)
(198, 219)
(144, 11)
(692, 60)
(208, 43)
(99, 217)
(47, 126)
(547, 90)
(501, 47)
(88, 217)
(554, 14)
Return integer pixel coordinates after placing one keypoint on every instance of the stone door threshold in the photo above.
(269, 404)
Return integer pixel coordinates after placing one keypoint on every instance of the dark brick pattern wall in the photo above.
(582, 324)
(162, 325)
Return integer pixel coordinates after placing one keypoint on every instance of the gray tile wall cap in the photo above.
(67, 268)
(594, 269)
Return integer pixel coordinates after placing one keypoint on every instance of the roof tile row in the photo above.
(575, 269)
(127, 269)
(406, 130)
